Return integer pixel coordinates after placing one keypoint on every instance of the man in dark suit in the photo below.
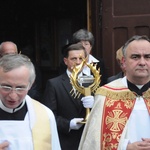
(117, 76)
(121, 74)
(67, 109)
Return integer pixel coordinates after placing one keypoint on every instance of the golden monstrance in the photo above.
(93, 80)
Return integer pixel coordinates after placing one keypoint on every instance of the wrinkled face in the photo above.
(74, 58)
(87, 46)
(137, 62)
(16, 79)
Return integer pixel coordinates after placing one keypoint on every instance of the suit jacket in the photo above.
(58, 98)
(117, 76)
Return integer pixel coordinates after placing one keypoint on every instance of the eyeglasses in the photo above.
(18, 90)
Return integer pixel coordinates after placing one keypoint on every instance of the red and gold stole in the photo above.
(118, 106)
(146, 97)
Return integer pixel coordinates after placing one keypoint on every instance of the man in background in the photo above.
(119, 58)
(68, 110)
(86, 38)
(8, 47)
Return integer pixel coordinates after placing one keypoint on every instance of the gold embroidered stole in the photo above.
(41, 130)
(146, 97)
(118, 106)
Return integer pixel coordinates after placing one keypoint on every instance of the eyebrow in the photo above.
(139, 55)
(5, 84)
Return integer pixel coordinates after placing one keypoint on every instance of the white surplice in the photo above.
(19, 133)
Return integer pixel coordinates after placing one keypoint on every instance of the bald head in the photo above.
(8, 47)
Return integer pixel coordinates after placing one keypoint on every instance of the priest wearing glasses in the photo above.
(25, 124)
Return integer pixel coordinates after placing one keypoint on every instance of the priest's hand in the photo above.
(4, 145)
(74, 123)
(88, 101)
(140, 145)
(146, 139)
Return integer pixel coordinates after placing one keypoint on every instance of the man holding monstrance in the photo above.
(86, 85)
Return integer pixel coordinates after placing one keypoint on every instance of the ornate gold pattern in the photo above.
(146, 96)
(81, 89)
(107, 139)
(113, 96)
(74, 78)
(116, 94)
(127, 103)
(116, 120)
(119, 103)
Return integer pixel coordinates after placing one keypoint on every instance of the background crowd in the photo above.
(121, 99)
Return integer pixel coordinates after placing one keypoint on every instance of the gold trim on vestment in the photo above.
(118, 106)
(41, 130)
(116, 94)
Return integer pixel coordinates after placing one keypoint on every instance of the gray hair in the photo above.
(13, 61)
(134, 38)
(83, 35)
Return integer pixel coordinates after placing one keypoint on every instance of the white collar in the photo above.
(68, 73)
(10, 110)
(124, 79)
(92, 59)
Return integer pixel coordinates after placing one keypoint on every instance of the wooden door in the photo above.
(122, 19)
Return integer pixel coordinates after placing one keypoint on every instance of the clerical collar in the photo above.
(138, 89)
(10, 110)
